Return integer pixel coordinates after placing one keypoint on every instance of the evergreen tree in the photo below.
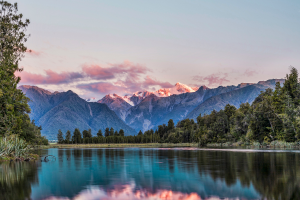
(107, 132)
(291, 86)
(99, 134)
(60, 137)
(121, 132)
(171, 124)
(68, 136)
(116, 133)
(13, 103)
(77, 136)
(140, 133)
(87, 134)
(111, 131)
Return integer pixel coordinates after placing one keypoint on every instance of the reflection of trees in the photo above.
(273, 175)
(16, 179)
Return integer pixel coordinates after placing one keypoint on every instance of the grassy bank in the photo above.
(14, 148)
(254, 145)
(124, 145)
(274, 144)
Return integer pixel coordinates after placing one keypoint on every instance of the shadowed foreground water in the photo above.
(133, 173)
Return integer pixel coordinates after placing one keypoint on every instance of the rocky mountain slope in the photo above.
(121, 104)
(141, 111)
(67, 111)
(242, 94)
(117, 104)
(154, 111)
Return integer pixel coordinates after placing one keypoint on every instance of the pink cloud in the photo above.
(33, 52)
(102, 87)
(98, 72)
(250, 73)
(127, 68)
(151, 82)
(126, 77)
(51, 77)
(213, 79)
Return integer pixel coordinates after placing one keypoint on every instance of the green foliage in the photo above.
(77, 136)
(107, 132)
(14, 109)
(99, 133)
(68, 137)
(60, 137)
(121, 132)
(13, 146)
(87, 134)
(111, 131)
(171, 124)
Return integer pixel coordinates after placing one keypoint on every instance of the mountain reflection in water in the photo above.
(134, 173)
(127, 192)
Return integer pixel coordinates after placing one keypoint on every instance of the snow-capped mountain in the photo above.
(121, 104)
(179, 88)
(117, 104)
(92, 99)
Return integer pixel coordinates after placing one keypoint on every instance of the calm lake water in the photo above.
(134, 173)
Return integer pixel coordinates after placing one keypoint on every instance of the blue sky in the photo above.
(159, 43)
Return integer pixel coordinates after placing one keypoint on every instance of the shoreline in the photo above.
(124, 145)
(255, 145)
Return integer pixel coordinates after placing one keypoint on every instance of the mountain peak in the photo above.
(25, 88)
(182, 88)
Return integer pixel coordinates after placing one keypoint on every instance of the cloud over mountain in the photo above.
(126, 77)
(212, 79)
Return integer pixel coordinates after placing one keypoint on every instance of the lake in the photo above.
(154, 173)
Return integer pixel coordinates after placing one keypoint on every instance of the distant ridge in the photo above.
(67, 111)
(141, 111)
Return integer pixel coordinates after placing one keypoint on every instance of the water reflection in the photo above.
(154, 174)
(16, 179)
(128, 192)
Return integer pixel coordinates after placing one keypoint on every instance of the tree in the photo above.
(99, 134)
(107, 132)
(13, 103)
(77, 136)
(68, 136)
(60, 137)
(87, 134)
(171, 125)
(291, 86)
(121, 132)
(229, 110)
(111, 131)
(116, 133)
(140, 133)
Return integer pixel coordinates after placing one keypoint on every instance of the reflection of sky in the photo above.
(102, 172)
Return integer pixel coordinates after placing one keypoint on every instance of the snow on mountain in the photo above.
(179, 88)
(92, 99)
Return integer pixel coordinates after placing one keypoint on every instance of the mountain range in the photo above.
(139, 111)
(67, 111)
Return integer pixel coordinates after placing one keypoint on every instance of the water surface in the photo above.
(136, 173)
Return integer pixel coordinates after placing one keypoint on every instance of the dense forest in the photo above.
(14, 119)
(274, 115)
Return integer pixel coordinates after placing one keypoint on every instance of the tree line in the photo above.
(273, 115)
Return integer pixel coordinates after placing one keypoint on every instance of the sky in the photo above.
(96, 47)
